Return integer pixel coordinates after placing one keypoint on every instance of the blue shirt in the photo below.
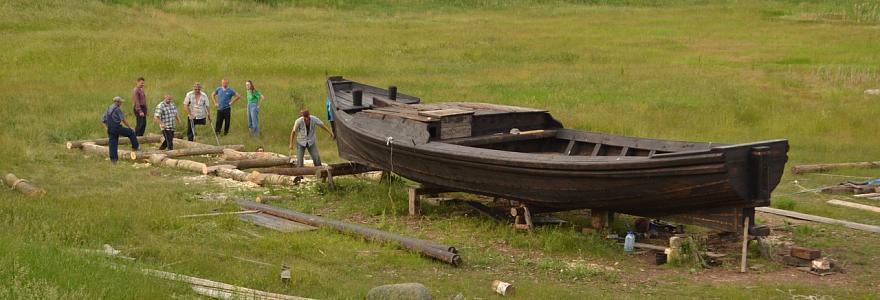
(329, 110)
(224, 96)
(112, 117)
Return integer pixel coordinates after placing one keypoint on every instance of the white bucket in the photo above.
(502, 288)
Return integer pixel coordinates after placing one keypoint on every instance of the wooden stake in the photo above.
(414, 204)
(745, 248)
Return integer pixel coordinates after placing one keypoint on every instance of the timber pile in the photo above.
(24, 186)
(230, 167)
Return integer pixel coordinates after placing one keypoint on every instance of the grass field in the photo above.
(722, 71)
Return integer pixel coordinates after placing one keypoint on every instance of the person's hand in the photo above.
(161, 126)
(142, 114)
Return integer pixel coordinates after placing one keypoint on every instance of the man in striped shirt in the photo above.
(166, 115)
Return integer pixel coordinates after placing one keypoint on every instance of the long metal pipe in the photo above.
(440, 252)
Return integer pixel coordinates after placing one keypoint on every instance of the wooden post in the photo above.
(599, 218)
(414, 203)
(528, 217)
(745, 247)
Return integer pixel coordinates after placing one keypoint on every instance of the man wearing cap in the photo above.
(224, 97)
(304, 131)
(139, 102)
(113, 120)
(166, 115)
(196, 106)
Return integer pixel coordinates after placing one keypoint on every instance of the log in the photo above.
(273, 179)
(230, 154)
(188, 165)
(23, 185)
(189, 144)
(256, 163)
(818, 219)
(854, 205)
(868, 195)
(422, 246)
(104, 151)
(139, 155)
(339, 169)
(242, 292)
(234, 174)
(819, 168)
(214, 170)
(150, 138)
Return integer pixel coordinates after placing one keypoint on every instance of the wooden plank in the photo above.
(442, 113)
(275, 223)
(818, 219)
(854, 205)
(868, 195)
(414, 203)
(221, 214)
(805, 253)
(237, 290)
(819, 168)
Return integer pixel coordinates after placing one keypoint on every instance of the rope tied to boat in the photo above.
(389, 141)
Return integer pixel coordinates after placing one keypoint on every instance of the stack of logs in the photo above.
(268, 168)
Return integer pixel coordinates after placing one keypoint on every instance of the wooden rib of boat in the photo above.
(526, 155)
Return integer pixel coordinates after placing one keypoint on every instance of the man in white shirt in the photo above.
(304, 132)
(196, 106)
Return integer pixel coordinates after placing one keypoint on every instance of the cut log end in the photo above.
(69, 145)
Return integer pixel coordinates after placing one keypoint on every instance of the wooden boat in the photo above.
(526, 155)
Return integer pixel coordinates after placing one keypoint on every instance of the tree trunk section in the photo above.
(24, 186)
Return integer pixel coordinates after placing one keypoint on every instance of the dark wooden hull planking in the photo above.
(526, 155)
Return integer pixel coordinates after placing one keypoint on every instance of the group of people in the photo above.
(197, 109)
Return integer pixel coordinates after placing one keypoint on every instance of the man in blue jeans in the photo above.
(304, 132)
(224, 97)
(113, 120)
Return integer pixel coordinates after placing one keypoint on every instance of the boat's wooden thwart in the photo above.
(526, 155)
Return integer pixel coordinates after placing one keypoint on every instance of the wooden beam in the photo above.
(237, 291)
(221, 214)
(414, 201)
(818, 168)
(139, 155)
(854, 205)
(818, 219)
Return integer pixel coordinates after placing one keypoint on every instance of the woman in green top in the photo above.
(254, 99)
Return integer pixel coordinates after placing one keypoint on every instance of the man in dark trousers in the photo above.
(224, 97)
(113, 120)
(166, 115)
(139, 101)
(303, 134)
